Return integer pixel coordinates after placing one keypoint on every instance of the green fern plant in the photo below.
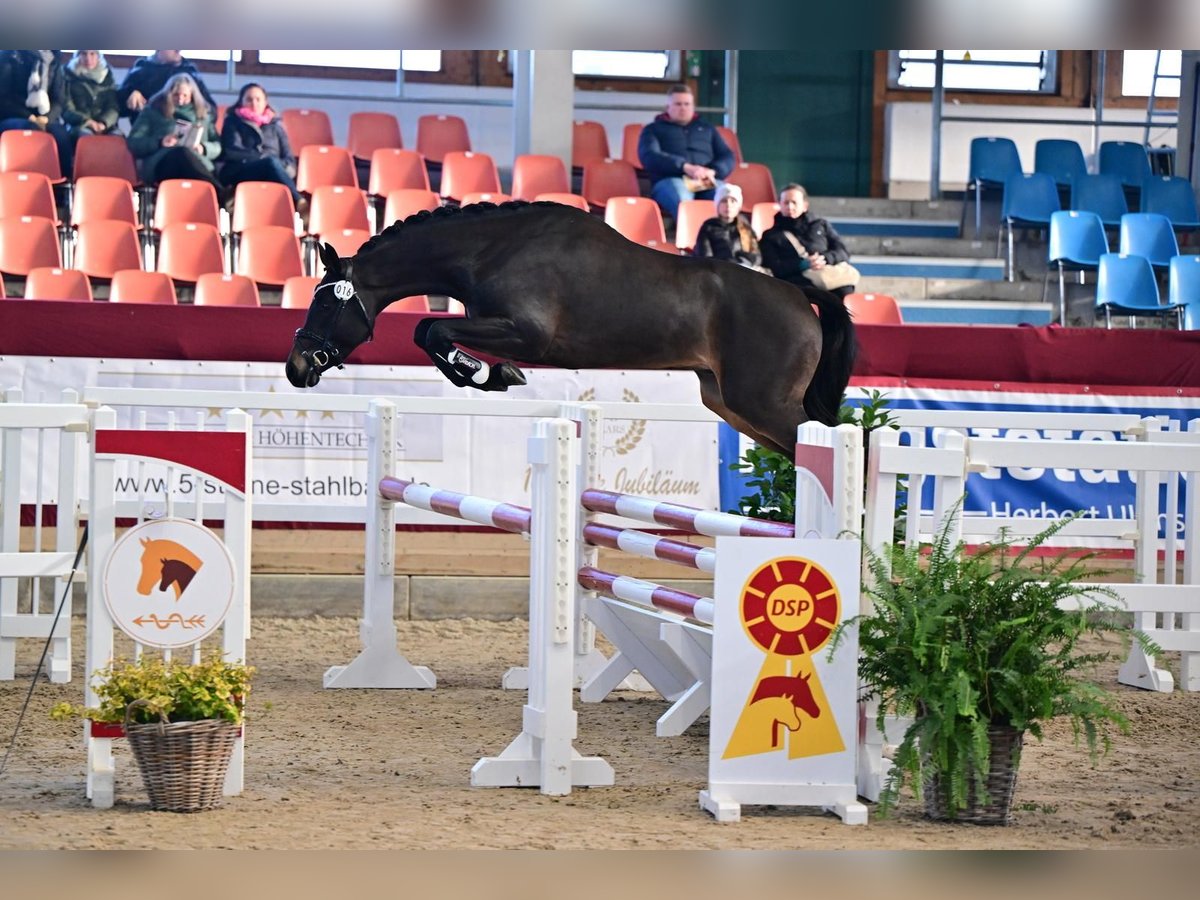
(962, 641)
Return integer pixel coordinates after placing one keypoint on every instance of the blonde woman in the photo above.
(174, 136)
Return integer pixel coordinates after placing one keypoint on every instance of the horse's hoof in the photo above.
(510, 374)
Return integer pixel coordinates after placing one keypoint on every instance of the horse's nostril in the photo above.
(313, 377)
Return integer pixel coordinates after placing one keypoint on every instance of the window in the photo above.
(411, 60)
(1030, 71)
(219, 55)
(625, 63)
(1137, 73)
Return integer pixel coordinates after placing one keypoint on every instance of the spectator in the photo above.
(729, 235)
(684, 156)
(254, 146)
(150, 75)
(31, 96)
(798, 242)
(89, 95)
(175, 138)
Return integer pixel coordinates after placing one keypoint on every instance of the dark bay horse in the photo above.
(552, 285)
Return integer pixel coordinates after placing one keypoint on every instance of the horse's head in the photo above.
(338, 321)
(151, 567)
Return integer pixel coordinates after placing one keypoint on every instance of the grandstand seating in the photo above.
(405, 202)
(1126, 160)
(438, 135)
(1126, 285)
(28, 242)
(762, 216)
(30, 150)
(306, 127)
(187, 250)
(335, 207)
(321, 164)
(1077, 241)
(269, 254)
(185, 200)
(101, 197)
(873, 309)
(535, 174)
(219, 289)
(105, 154)
(27, 194)
(298, 291)
(1060, 159)
(262, 203)
(692, 214)
(589, 141)
(57, 284)
(993, 160)
(345, 241)
(606, 178)
(1149, 235)
(104, 247)
(1183, 288)
(466, 172)
(576, 200)
(1101, 194)
(393, 169)
(419, 303)
(630, 136)
(1173, 197)
(755, 181)
(484, 197)
(731, 140)
(637, 218)
(1029, 200)
(136, 286)
(371, 131)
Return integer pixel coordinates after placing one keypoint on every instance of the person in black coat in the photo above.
(31, 96)
(150, 75)
(819, 243)
(254, 145)
(728, 235)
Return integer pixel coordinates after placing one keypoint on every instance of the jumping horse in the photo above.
(549, 284)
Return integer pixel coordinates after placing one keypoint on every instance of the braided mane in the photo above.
(446, 212)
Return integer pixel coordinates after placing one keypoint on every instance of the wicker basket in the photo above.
(1001, 783)
(183, 763)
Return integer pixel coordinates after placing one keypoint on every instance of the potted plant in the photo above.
(976, 648)
(182, 721)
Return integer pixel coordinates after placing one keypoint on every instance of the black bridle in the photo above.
(325, 353)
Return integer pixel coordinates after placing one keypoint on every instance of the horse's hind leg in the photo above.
(437, 337)
(710, 396)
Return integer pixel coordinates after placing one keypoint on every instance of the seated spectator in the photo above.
(31, 96)
(174, 137)
(89, 95)
(150, 74)
(684, 156)
(254, 146)
(728, 235)
(798, 242)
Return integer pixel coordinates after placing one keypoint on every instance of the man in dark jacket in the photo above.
(684, 156)
(148, 76)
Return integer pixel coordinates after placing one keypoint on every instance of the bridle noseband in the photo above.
(326, 353)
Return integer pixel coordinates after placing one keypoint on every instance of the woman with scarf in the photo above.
(90, 95)
(728, 235)
(254, 145)
(174, 137)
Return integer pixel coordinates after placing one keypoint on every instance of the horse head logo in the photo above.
(778, 701)
(167, 563)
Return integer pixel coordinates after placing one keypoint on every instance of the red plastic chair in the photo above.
(466, 172)
(692, 214)
(393, 169)
(756, 183)
(637, 218)
(405, 202)
(270, 254)
(187, 250)
(27, 194)
(731, 139)
(441, 134)
(762, 216)
(298, 291)
(419, 303)
(57, 284)
(345, 241)
(104, 247)
(576, 200)
(105, 154)
(219, 116)
(184, 200)
(27, 243)
(322, 164)
(874, 309)
(218, 289)
(307, 126)
(535, 174)
(371, 131)
(136, 286)
(103, 197)
(629, 144)
(262, 203)
(605, 178)
(483, 197)
(30, 150)
(335, 207)
(589, 141)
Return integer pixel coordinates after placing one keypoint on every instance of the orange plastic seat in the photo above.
(57, 284)
(589, 141)
(393, 169)
(576, 200)
(105, 154)
(104, 247)
(762, 216)
(419, 303)
(606, 178)
(638, 218)
(661, 246)
(336, 206)
(136, 286)
(692, 214)
(484, 197)
(438, 135)
(262, 203)
(187, 250)
(269, 254)
(218, 289)
(405, 202)
(371, 131)
(27, 243)
(30, 150)
(755, 181)
(535, 174)
(298, 291)
(219, 116)
(103, 197)
(185, 200)
(630, 136)
(466, 172)
(731, 140)
(307, 126)
(322, 164)
(874, 309)
(27, 194)
(345, 241)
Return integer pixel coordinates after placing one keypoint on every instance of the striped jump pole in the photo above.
(647, 593)
(682, 518)
(505, 516)
(650, 546)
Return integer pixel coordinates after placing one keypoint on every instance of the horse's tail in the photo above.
(839, 348)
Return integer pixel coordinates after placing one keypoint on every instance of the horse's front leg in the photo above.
(437, 338)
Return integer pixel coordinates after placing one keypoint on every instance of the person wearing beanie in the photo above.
(728, 235)
(90, 95)
(798, 241)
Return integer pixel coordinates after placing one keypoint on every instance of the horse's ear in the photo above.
(145, 542)
(331, 260)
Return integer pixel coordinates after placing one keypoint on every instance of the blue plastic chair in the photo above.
(1173, 197)
(1077, 241)
(1029, 201)
(1183, 281)
(1190, 317)
(993, 159)
(1149, 235)
(1061, 160)
(1127, 160)
(1126, 285)
(1102, 195)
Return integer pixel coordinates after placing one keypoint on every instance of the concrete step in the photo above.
(919, 288)
(975, 312)
(872, 245)
(931, 267)
(885, 208)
